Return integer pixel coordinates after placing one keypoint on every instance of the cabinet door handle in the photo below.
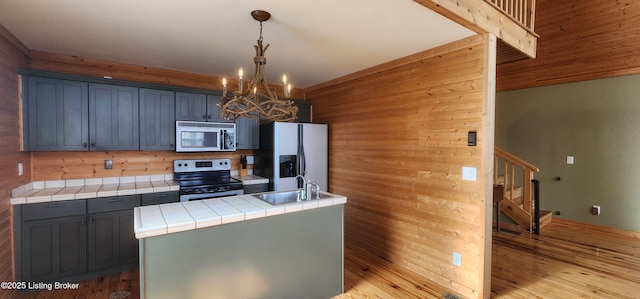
(55, 205)
(83, 221)
(160, 195)
(84, 145)
(91, 220)
(204, 116)
(93, 144)
(115, 200)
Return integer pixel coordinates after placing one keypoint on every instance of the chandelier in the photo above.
(258, 100)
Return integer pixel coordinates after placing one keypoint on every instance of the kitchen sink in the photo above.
(285, 197)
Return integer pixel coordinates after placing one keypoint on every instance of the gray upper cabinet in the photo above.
(58, 115)
(191, 106)
(113, 117)
(304, 111)
(157, 119)
(198, 107)
(247, 133)
(213, 110)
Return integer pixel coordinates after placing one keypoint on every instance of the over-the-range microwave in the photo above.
(194, 136)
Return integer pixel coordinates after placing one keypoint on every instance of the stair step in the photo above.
(517, 192)
(545, 217)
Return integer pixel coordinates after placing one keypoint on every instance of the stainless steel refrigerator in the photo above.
(289, 149)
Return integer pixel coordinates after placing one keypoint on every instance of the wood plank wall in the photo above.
(76, 165)
(579, 40)
(13, 55)
(397, 144)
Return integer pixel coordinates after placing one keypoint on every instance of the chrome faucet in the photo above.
(307, 185)
(303, 195)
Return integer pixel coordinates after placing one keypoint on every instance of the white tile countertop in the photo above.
(45, 191)
(251, 179)
(182, 216)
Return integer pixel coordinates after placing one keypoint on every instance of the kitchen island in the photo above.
(241, 247)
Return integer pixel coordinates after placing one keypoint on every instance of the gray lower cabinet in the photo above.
(78, 239)
(111, 240)
(53, 240)
(57, 117)
(157, 119)
(113, 117)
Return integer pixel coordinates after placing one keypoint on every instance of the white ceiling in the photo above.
(311, 41)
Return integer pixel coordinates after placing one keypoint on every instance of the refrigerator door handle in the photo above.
(302, 163)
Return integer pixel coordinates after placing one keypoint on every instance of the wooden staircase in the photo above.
(513, 191)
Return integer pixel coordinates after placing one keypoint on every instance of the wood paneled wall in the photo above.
(397, 144)
(76, 165)
(579, 40)
(13, 55)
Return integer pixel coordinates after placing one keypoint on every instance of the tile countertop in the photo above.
(183, 216)
(45, 191)
(251, 179)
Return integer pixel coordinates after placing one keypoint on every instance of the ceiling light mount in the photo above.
(261, 15)
(258, 100)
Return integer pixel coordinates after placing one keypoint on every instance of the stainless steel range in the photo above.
(206, 178)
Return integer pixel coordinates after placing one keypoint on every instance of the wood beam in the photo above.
(481, 17)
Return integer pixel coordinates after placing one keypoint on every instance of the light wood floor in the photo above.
(569, 260)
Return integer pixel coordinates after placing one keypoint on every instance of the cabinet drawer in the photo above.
(116, 203)
(160, 198)
(53, 209)
(256, 188)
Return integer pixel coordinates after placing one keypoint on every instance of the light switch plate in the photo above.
(570, 160)
(469, 173)
(457, 259)
(250, 160)
(20, 169)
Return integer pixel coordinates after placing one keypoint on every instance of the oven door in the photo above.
(190, 197)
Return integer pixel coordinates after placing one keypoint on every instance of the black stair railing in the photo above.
(536, 209)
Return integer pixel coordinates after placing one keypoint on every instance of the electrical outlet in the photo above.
(108, 164)
(20, 169)
(595, 210)
(457, 259)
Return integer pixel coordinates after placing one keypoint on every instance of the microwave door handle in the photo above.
(222, 136)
